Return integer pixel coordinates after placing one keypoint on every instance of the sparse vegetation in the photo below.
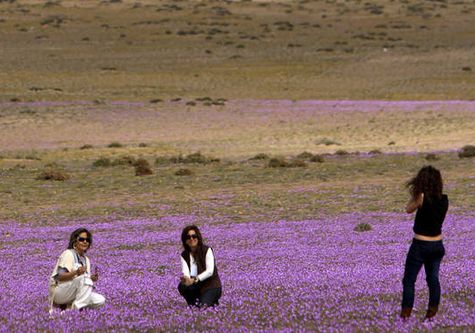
(53, 172)
(196, 158)
(277, 162)
(327, 142)
(260, 156)
(375, 152)
(467, 151)
(115, 144)
(184, 172)
(341, 152)
(124, 160)
(363, 227)
(317, 159)
(305, 155)
(102, 162)
(431, 157)
(142, 167)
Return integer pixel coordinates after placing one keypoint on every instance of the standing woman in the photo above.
(427, 248)
(71, 284)
(200, 284)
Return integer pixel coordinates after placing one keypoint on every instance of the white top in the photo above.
(193, 270)
(67, 260)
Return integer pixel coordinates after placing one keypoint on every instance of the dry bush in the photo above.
(162, 160)
(260, 156)
(277, 162)
(102, 162)
(431, 157)
(363, 227)
(375, 152)
(327, 142)
(305, 155)
(143, 145)
(53, 172)
(142, 167)
(86, 146)
(184, 172)
(317, 158)
(115, 145)
(124, 160)
(467, 151)
(196, 158)
(341, 152)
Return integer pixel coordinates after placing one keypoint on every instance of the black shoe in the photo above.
(405, 313)
(431, 312)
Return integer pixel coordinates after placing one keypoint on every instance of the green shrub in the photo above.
(467, 151)
(363, 227)
(142, 167)
(102, 162)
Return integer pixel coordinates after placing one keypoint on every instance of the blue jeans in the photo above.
(429, 254)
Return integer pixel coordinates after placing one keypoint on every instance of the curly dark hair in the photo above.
(428, 181)
(198, 253)
(74, 237)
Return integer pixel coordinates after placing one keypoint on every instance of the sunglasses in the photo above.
(83, 239)
(194, 236)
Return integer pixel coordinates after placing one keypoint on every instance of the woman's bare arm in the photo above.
(414, 203)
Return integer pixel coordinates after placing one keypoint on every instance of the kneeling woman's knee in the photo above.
(99, 300)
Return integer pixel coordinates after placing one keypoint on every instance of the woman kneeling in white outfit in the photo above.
(71, 284)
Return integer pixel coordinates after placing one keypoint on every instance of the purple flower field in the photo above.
(289, 276)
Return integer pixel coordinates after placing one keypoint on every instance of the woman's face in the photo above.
(82, 242)
(192, 239)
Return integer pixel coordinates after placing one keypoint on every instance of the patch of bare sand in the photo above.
(243, 127)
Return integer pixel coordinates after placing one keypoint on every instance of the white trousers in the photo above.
(78, 292)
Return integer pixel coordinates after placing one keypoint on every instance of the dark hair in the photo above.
(198, 254)
(428, 181)
(74, 237)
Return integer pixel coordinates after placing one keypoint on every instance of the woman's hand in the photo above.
(187, 281)
(414, 203)
(95, 277)
(80, 270)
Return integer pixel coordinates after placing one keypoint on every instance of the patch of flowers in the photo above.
(290, 276)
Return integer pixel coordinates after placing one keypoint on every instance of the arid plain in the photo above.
(285, 129)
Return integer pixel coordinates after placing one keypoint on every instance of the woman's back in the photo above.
(430, 216)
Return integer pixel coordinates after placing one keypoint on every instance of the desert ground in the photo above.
(286, 130)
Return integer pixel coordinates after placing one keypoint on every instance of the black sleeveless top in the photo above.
(430, 216)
